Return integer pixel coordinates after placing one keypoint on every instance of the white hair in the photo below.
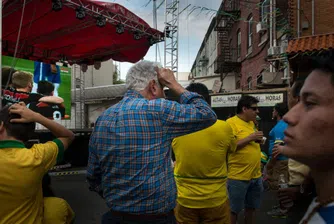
(140, 74)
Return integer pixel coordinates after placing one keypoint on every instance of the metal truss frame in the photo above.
(171, 36)
(129, 22)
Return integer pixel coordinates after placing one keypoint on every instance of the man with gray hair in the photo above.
(129, 151)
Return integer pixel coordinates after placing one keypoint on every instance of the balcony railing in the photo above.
(227, 14)
(227, 61)
(232, 6)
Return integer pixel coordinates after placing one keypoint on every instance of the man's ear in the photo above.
(153, 87)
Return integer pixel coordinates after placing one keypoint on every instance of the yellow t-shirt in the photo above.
(21, 174)
(245, 163)
(200, 170)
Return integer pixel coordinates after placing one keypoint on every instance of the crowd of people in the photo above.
(18, 87)
(216, 172)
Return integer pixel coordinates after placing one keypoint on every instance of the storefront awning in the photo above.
(311, 44)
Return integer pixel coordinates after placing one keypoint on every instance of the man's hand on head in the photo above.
(27, 115)
(166, 78)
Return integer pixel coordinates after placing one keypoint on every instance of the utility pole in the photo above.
(155, 26)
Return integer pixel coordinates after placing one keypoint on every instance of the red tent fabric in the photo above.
(49, 36)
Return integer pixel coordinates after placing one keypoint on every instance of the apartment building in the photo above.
(250, 39)
(203, 67)
(312, 29)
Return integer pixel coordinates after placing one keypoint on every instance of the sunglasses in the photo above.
(253, 108)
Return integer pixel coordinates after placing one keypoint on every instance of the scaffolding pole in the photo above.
(82, 99)
(171, 43)
(155, 26)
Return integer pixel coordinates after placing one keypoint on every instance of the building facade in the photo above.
(312, 29)
(245, 47)
(203, 67)
(311, 17)
(250, 35)
(100, 77)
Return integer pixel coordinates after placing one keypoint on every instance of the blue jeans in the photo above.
(244, 193)
(108, 218)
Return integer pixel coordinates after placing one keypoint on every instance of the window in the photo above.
(237, 86)
(232, 53)
(228, 5)
(238, 45)
(264, 11)
(249, 82)
(250, 33)
(264, 19)
(260, 78)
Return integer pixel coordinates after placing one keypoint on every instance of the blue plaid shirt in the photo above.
(129, 150)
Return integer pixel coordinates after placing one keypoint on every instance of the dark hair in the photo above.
(296, 87)
(246, 101)
(7, 73)
(201, 89)
(324, 64)
(45, 88)
(20, 131)
(281, 109)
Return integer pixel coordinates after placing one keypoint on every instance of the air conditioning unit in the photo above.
(283, 49)
(274, 51)
(272, 77)
(261, 27)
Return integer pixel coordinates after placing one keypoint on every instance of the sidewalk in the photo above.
(89, 207)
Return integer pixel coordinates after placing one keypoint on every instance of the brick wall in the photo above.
(253, 63)
(324, 16)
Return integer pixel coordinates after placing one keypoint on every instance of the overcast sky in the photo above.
(191, 28)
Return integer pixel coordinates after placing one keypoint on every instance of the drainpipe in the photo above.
(313, 33)
(274, 24)
(298, 18)
(271, 31)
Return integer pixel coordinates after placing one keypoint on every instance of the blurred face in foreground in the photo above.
(309, 136)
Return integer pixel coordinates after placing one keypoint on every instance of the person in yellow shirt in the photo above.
(22, 169)
(244, 165)
(201, 171)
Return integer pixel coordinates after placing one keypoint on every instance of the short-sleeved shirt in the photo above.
(21, 173)
(201, 171)
(277, 133)
(323, 215)
(245, 163)
(43, 71)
